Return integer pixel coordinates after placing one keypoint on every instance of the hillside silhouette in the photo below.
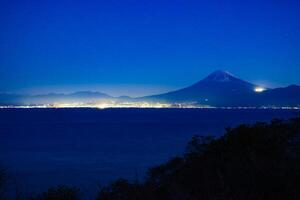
(250, 162)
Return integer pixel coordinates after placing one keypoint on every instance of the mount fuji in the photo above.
(221, 88)
(218, 89)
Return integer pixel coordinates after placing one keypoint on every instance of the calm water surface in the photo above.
(86, 147)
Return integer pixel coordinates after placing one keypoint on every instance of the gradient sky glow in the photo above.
(145, 46)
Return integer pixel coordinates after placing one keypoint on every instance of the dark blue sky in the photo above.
(145, 46)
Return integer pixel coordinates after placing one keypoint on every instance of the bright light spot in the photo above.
(259, 89)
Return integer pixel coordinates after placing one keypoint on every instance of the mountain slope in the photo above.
(286, 96)
(219, 89)
(223, 89)
(82, 97)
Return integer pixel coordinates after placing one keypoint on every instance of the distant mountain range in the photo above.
(219, 89)
(86, 97)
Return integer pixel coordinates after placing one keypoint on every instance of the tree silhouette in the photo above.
(2, 182)
(60, 193)
(250, 162)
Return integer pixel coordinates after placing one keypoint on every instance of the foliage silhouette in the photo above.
(60, 193)
(250, 162)
(3, 179)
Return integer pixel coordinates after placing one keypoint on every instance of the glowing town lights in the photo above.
(259, 89)
(143, 105)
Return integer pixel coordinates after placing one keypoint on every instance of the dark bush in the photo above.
(60, 193)
(250, 162)
(121, 190)
(3, 180)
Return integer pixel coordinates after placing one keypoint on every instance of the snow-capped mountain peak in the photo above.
(220, 76)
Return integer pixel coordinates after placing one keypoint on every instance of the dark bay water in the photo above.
(83, 147)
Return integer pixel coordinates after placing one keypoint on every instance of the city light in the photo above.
(259, 89)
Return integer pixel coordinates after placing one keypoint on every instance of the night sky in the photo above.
(145, 47)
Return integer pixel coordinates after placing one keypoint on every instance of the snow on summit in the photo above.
(220, 76)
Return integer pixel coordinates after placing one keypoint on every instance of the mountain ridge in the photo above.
(221, 88)
(218, 89)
